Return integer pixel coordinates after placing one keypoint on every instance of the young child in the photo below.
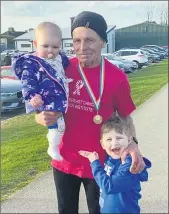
(45, 87)
(119, 189)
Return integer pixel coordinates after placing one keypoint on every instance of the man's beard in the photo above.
(90, 64)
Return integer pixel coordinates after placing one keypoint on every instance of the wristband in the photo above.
(135, 140)
(38, 111)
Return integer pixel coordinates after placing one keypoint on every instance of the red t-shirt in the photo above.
(81, 132)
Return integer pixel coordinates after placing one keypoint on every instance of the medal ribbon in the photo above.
(95, 101)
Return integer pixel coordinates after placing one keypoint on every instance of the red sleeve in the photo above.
(124, 104)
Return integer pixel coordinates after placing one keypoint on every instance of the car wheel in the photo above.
(137, 64)
(150, 60)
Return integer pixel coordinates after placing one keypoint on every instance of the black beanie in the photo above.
(93, 21)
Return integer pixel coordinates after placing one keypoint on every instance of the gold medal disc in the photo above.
(97, 119)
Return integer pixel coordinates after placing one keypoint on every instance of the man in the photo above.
(7, 60)
(98, 89)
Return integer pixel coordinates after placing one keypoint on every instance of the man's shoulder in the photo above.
(73, 62)
(114, 72)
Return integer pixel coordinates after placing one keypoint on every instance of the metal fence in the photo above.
(143, 34)
(139, 40)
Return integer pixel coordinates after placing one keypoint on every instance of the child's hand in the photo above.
(92, 156)
(36, 101)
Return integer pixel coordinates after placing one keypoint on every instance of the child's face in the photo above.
(114, 143)
(48, 45)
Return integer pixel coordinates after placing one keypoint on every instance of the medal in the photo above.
(97, 119)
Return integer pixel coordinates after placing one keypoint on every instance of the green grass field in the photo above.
(24, 144)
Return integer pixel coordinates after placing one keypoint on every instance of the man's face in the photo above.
(87, 45)
(114, 143)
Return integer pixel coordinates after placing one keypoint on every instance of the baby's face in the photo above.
(114, 143)
(48, 45)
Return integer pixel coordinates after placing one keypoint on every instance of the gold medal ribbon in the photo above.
(95, 101)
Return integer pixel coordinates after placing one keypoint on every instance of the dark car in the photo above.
(154, 46)
(152, 58)
(157, 49)
(153, 52)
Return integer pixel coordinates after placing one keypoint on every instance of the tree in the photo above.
(149, 12)
(163, 14)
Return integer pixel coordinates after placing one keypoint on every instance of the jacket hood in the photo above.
(17, 64)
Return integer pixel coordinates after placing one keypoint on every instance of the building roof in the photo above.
(26, 36)
(143, 23)
(13, 34)
(110, 27)
(66, 34)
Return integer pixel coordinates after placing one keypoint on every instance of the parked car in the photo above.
(114, 62)
(6, 72)
(135, 55)
(165, 47)
(152, 52)
(129, 66)
(11, 94)
(152, 58)
(164, 54)
(132, 66)
(154, 46)
(157, 49)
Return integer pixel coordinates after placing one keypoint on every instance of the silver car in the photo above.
(11, 95)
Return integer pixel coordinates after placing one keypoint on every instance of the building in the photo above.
(7, 41)
(24, 42)
(110, 46)
(146, 33)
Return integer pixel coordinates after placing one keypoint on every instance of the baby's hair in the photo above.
(48, 26)
(116, 123)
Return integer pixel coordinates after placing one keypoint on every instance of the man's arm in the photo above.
(130, 124)
(124, 107)
(137, 160)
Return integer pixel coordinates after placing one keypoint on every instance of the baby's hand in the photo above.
(92, 156)
(36, 101)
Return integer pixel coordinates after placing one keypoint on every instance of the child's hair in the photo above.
(48, 26)
(115, 123)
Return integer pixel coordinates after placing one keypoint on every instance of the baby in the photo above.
(45, 87)
(120, 189)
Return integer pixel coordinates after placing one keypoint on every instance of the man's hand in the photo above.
(137, 161)
(47, 118)
(92, 156)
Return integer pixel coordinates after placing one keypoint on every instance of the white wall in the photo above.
(110, 46)
(18, 46)
(29, 49)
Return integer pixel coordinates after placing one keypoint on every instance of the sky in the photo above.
(23, 15)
